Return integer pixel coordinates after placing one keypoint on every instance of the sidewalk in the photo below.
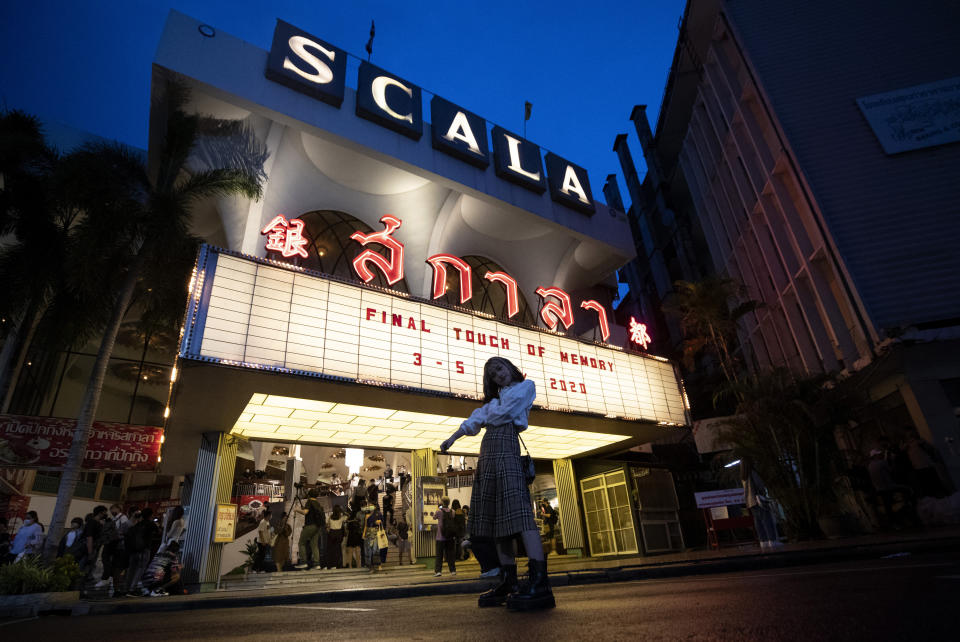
(344, 585)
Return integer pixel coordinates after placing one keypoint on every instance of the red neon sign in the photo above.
(392, 268)
(285, 237)
(510, 284)
(551, 313)
(601, 313)
(439, 263)
(638, 333)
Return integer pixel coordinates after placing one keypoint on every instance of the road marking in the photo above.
(321, 608)
(25, 619)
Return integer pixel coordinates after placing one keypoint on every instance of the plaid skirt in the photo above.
(500, 505)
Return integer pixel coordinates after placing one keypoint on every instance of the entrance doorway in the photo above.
(606, 505)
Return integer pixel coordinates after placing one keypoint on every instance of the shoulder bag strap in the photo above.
(524, 445)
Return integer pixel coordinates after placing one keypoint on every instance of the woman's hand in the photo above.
(448, 442)
(445, 446)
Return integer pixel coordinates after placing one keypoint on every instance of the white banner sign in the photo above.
(269, 316)
(728, 497)
(915, 117)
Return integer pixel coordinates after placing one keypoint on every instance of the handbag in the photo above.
(526, 464)
(382, 541)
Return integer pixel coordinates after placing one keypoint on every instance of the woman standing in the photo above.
(334, 537)
(371, 525)
(500, 505)
(281, 547)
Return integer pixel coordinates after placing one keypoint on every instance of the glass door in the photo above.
(607, 510)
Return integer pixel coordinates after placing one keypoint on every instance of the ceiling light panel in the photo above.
(278, 418)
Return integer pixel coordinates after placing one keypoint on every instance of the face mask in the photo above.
(27, 522)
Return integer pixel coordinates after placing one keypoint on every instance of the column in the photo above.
(212, 485)
(423, 463)
(569, 506)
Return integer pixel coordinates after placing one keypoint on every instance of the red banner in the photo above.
(44, 442)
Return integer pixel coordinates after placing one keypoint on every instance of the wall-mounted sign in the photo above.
(517, 160)
(390, 101)
(638, 333)
(224, 523)
(307, 64)
(286, 238)
(715, 498)
(915, 117)
(252, 313)
(569, 184)
(458, 132)
(44, 442)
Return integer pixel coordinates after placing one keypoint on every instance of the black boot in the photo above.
(535, 593)
(498, 594)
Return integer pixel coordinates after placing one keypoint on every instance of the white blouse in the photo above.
(513, 404)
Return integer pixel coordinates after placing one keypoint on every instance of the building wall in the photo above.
(813, 60)
(760, 227)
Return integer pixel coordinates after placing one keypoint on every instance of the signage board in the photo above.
(915, 117)
(389, 101)
(44, 442)
(255, 314)
(458, 132)
(517, 160)
(224, 523)
(716, 498)
(431, 491)
(569, 184)
(316, 68)
(307, 64)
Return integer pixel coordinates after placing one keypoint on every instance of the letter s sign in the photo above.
(307, 64)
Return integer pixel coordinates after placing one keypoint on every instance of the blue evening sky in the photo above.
(583, 65)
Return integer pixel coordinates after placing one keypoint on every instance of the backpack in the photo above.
(448, 526)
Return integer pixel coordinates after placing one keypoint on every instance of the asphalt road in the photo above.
(905, 598)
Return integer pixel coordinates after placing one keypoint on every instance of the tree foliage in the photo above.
(784, 424)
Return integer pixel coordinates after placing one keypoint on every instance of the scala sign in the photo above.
(247, 312)
(316, 68)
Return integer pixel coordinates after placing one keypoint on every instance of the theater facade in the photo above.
(400, 242)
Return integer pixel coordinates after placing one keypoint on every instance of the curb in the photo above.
(647, 571)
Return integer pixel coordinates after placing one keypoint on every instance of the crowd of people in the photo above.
(356, 535)
(901, 474)
(120, 553)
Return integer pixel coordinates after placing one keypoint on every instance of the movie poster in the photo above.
(430, 491)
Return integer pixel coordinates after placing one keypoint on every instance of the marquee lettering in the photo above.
(286, 237)
(439, 263)
(379, 89)
(601, 313)
(551, 312)
(392, 268)
(322, 74)
(513, 302)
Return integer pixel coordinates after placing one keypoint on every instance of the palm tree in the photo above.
(159, 222)
(40, 224)
(709, 311)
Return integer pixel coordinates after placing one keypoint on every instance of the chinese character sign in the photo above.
(285, 237)
(638, 333)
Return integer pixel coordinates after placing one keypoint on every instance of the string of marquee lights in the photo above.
(196, 294)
